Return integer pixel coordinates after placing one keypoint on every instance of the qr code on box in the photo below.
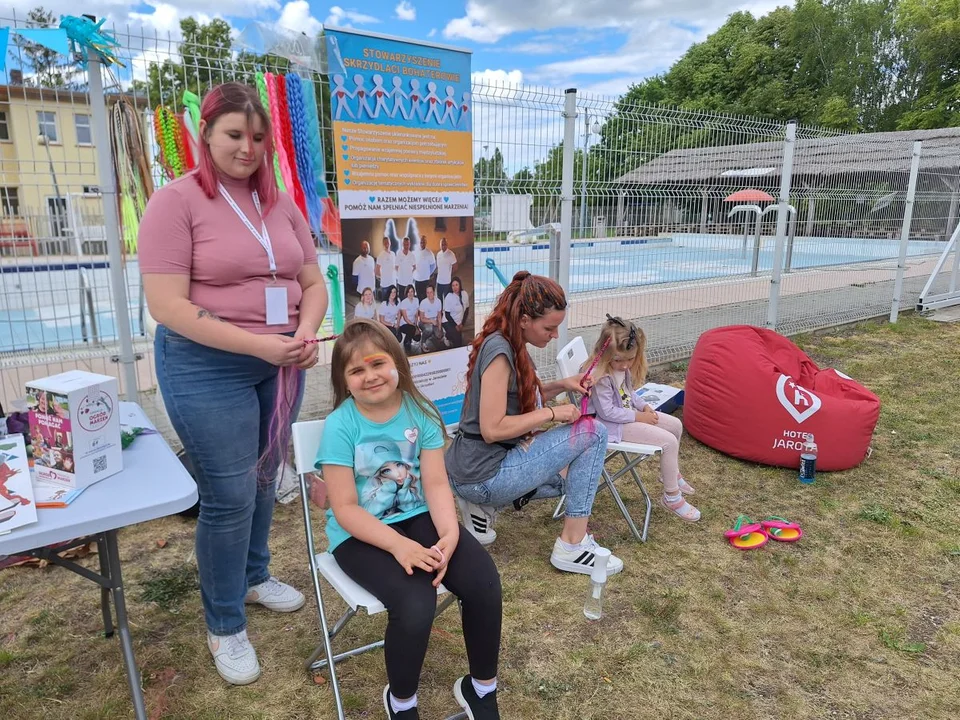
(99, 464)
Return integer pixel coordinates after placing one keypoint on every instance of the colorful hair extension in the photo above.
(298, 124)
(191, 125)
(189, 156)
(336, 299)
(289, 386)
(330, 215)
(169, 141)
(285, 136)
(274, 108)
(265, 101)
(316, 144)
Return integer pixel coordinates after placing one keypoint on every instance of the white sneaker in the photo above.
(580, 560)
(235, 658)
(275, 595)
(478, 520)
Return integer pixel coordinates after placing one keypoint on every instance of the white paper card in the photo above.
(277, 305)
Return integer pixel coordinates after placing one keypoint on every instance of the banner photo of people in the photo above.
(402, 127)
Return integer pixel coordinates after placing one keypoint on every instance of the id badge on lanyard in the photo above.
(275, 296)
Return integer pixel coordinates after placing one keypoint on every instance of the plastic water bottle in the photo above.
(808, 460)
(593, 607)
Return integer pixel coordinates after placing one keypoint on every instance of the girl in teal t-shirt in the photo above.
(392, 525)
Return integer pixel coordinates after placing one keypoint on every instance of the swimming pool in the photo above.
(637, 262)
(40, 307)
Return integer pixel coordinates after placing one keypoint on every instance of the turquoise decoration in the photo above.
(86, 35)
(336, 298)
(51, 38)
(4, 37)
(491, 265)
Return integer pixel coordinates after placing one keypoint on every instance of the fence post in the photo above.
(786, 176)
(905, 231)
(566, 200)
(111, 222)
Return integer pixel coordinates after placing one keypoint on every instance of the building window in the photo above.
(440, 224)
(47, 124)
(4, 126)
(463, 223)
(84, 134)
(9, 201)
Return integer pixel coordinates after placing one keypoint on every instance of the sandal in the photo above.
(746, 534)
(781, 529)
(685, 511)
(685, 487)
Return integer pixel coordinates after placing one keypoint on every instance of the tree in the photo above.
(932, 62)
(45, 67)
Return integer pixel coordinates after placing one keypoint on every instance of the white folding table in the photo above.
(152, 484)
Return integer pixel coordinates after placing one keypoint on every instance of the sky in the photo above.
(599, 46)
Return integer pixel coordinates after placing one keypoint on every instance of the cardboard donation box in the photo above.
(74, 428)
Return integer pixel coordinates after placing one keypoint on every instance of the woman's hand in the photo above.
(411, 554)
(577, 383)
(447, 545)
(278, 350)
(310, 352)
(568, 413)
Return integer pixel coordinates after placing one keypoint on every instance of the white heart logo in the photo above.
(801, 397)
(411, 434)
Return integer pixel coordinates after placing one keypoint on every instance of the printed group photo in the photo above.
(415, 276)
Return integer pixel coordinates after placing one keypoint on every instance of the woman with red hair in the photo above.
(231, 276)
(501, 454)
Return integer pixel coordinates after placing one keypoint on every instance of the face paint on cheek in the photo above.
(395, 376)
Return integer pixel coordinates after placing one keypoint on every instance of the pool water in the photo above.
(638, 262)
(40, 308)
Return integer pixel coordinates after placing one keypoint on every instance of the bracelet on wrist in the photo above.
(553, 414)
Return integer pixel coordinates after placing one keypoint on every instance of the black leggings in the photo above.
(411, 601)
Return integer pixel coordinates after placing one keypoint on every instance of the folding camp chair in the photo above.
(306, 442)
(569, 361)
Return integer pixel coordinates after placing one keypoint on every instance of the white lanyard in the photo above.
(263, 237)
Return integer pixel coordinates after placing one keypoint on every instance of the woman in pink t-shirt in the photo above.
(231, 276)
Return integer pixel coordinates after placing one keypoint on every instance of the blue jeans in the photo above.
(220, 405)
(582, 447)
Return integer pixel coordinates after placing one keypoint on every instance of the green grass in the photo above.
(170, 588)
(859, 620)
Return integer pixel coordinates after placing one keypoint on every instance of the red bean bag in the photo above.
(753, 394)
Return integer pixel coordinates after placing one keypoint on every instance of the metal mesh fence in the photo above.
(674, 213)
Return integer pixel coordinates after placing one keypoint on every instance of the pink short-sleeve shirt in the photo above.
(183, 232)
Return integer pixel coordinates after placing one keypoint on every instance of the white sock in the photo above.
(482, 690)
(673, 498)
(571, 547)
(401, 705)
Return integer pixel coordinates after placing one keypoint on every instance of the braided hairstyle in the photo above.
(530, 295)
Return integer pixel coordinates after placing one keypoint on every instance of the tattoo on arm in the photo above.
(202, 313)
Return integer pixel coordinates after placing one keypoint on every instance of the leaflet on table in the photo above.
(17, 507)
(54, 496)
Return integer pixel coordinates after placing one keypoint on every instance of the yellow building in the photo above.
(49, 183)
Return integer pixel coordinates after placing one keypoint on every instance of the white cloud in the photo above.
(487, 21)
(296, 16)
(339, 17)
(498, 78)
(405, 10)
(433, 31)
(479, 25)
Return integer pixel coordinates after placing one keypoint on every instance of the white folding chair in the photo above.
(306, 442)
(569, 361)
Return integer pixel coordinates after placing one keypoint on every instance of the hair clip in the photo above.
(633, 336)
(615, 320)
